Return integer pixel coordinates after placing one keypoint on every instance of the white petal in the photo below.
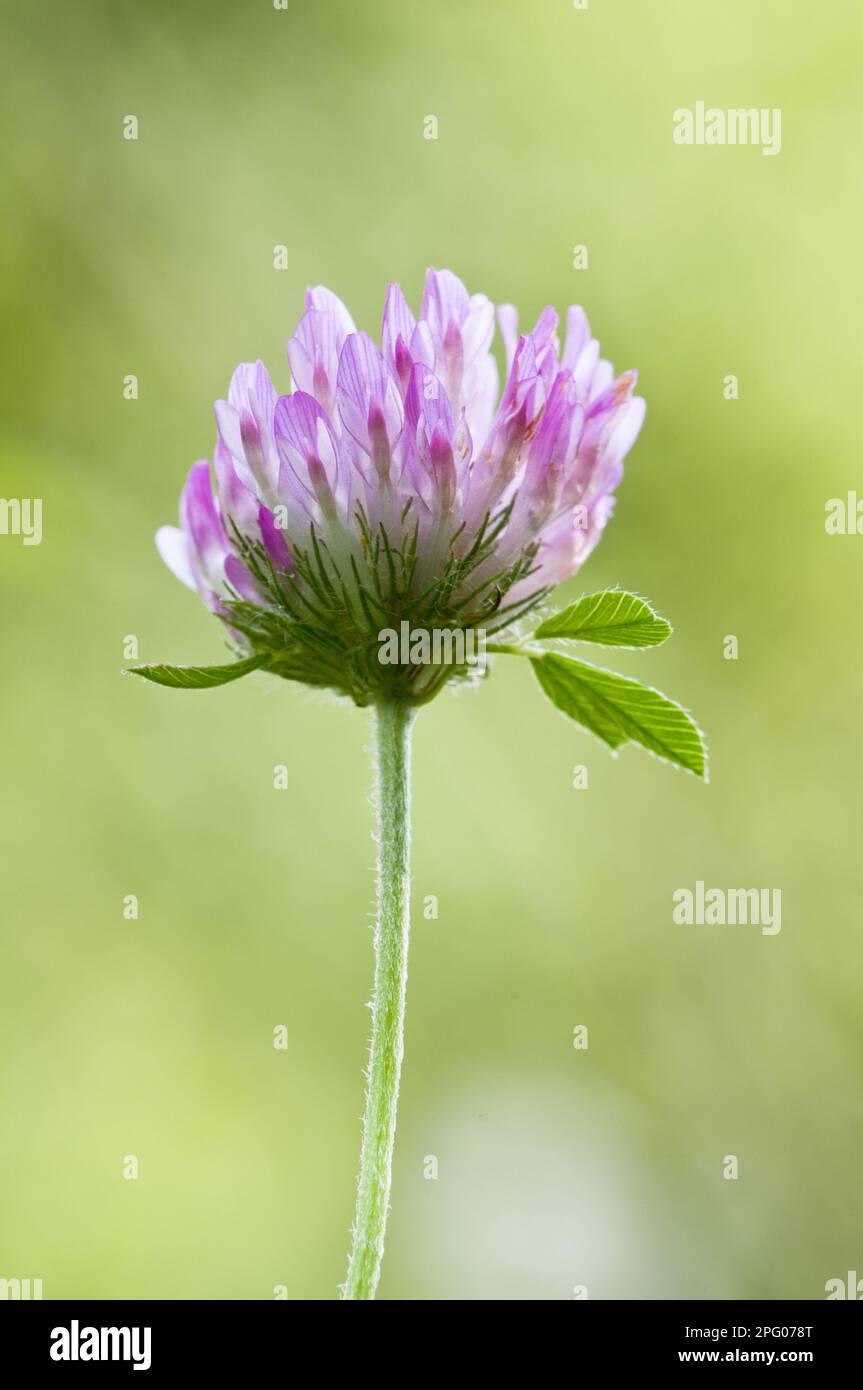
(173, 547)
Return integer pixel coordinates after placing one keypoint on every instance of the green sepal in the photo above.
(199, 677)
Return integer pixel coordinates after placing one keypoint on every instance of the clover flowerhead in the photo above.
(398, 483)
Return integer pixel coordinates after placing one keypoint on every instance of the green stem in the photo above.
(515, 648)
(393, 720)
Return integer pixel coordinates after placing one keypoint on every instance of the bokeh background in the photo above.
(557, 1167)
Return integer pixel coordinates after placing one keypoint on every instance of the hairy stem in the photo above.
(393, 720)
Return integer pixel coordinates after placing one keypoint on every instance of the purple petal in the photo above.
(626, 430)
(205, 533)
(238, 503)
(584, 369)
(245, 425)
(314, 356)
(201, 520)
(614, 395)
(434, 452)
(398, 323)
(319, 297)
(308, 444)
(274, 540)
(445, 301)
(507, 317)
(241, 580)
(367, 388)
(577, 336)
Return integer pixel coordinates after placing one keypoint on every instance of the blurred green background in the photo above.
(153, 1037)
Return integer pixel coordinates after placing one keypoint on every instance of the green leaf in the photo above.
(199, 677)
(619, 710)
(612, 617)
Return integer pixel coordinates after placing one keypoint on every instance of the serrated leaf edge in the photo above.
(615, 752)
